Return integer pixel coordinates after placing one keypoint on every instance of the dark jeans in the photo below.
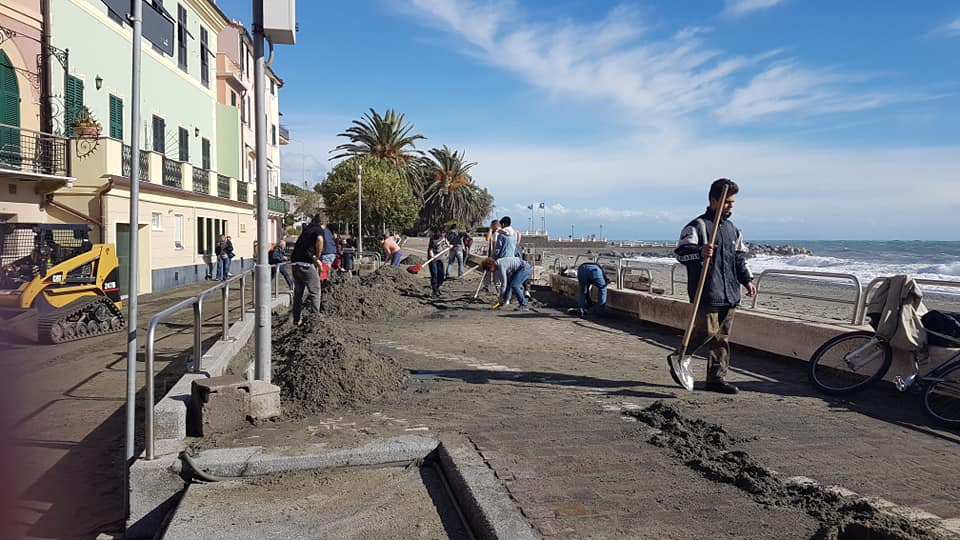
(436, 274)
(456, 255)
(587, 275)
(223, 263)
(283, 272)
(305, 277)
(395, 258)
(715, 324)
(515, 284)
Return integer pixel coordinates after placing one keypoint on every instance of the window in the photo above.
(204, 58)
(205, 153)
(159, 135)
(182, 37)
(155, 221)
(201, 237)
(233, 98)
(178, 231)
(184, 140)
(73, 101)
(243, 111)
(273, 87)
(243, 56)
(273, 134)
(243, 227)
(116, 117)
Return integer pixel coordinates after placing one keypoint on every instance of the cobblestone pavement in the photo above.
(541, 396)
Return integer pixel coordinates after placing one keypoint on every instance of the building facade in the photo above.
(34, 163)
(235, 90)
(189, 194)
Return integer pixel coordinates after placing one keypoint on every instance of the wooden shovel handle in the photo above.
(703, 271)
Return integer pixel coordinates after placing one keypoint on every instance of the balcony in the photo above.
(201, 181)
(223, 186)
(34, 152)
(172, 173)
(144, 163)
(284, 135)
(276, 204)
(243, 190)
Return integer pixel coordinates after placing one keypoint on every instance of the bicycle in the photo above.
(855, 360)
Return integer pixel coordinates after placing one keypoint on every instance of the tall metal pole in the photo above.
(136, 10)
(261, 268)
(131, 409)
(359, 211)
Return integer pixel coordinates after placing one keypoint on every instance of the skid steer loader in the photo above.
(55, 285)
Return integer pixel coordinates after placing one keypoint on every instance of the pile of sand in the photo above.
(413, 259)
(321, 365)
(387, 293)
(709, 450)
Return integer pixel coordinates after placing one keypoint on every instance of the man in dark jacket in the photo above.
(278, 255)
(726, 273)
(305, 261)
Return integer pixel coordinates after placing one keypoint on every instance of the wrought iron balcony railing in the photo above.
(144, 163)
(33, 151)
(276, 204)
(201, 181)
(223, 186)
(242, 188)
(172, 173)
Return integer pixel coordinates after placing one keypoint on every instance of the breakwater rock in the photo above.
(785, 250)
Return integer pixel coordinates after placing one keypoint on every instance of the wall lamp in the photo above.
(99, 82)
(196, 132)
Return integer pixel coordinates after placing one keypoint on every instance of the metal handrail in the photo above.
(864, 299)
(619, 261)
(197, 303)
(374, 254)
(642, 269)
(851, 277)
(673, 278)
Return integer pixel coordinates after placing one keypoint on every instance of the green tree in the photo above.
(387, 201)
(448, 192)
(386, 137)
(309, 203)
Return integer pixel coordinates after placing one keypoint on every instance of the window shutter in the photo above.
(184, 145)
(116, 117)
(73, 101)
(205, 149)
(159, 135)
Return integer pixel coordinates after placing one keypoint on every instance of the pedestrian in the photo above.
(391, 250)
(455, 239)
(591, 275)
(507, 240)
(512, 272)
(305, 261)
(278, 255)
(435, 246)
(349, 250)
(221, 257)
(726, 273)
(228, 263)
(329, 251)
(492, 233)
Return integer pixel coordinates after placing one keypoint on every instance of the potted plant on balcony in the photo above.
(85, 125)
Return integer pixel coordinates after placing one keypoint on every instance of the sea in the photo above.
(862, 258)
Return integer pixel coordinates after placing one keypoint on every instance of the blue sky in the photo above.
(839, 120)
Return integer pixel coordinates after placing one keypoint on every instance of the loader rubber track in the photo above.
(86, 318)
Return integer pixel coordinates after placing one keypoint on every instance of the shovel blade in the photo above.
(415, 269)
(681, 369)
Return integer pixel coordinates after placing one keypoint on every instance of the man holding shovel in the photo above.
(712, 244)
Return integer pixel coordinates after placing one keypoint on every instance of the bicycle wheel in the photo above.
(941, 399)
(849, 362)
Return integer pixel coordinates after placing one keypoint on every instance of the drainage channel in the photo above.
(396, 500)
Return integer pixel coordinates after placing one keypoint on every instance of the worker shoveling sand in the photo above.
(320, 365)
(389, 292)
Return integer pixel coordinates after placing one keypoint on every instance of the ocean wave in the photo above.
(949, 269)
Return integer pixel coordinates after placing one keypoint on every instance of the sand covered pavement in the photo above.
(582, 425)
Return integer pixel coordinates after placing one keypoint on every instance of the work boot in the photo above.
(522, 307)
(722, 387)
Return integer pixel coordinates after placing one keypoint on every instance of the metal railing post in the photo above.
(243, 295)
(197, 336)
(148, 395)
(225, 300)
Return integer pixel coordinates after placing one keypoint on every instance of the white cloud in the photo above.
(655, 83)
(738, 8)
(950, 29)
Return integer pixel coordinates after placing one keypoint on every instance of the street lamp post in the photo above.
(359, 211)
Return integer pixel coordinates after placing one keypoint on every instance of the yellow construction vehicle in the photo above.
(55, 285)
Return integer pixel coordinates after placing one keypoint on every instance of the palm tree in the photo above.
(386, 137)
(448, 191)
